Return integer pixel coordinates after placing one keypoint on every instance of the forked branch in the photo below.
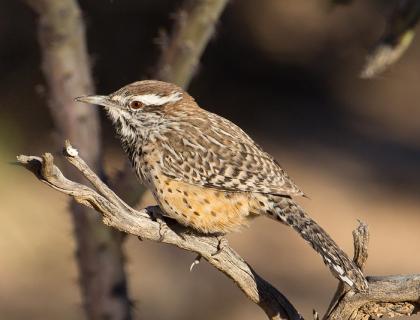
(390, 296)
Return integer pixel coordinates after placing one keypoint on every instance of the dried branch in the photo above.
(361, 243)
(149, 224)
(194, 26)
(66, 68)
(388, 296)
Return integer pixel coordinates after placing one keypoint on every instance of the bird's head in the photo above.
(141, 105)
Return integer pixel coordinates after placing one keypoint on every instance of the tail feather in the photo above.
(341, 266)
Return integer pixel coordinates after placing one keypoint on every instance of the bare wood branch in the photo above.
(66, 68)
(361, 243)
(389, 296)
(142, 224)
(194, 26)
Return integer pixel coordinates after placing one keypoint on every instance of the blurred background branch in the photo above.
(195, 24)
(397, 38)
(66, 68)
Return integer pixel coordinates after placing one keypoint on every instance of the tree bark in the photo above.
(388, 296)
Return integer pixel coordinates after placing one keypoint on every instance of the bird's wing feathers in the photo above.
(220, 155)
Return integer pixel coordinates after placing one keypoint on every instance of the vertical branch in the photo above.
(194, 26)
(66, 68)
(361, 243)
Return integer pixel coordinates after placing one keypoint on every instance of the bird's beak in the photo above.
(104, 101)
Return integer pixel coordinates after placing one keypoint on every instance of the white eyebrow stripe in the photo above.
(155, 100)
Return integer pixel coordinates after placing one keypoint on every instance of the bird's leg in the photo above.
(164, 226)
(158, 217)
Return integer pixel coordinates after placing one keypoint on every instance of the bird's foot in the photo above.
(158, 217)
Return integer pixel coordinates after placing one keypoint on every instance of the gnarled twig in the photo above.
(116, 213)
(390, 296)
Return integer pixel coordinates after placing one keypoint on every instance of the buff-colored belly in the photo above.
(204, 209)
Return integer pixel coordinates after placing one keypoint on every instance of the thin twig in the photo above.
(361, 244)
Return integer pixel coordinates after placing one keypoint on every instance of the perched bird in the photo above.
(208, 174)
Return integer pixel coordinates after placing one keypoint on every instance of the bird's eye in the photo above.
(135, 105)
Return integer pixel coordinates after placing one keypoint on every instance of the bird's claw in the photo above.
(158, 217)
(195, 262)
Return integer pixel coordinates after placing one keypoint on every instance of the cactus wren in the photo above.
(208, 174)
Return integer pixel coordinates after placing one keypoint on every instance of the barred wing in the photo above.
(213, 152)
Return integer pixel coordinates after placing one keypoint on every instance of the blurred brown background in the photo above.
(285, 71)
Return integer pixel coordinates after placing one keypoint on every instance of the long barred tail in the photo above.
(341, 266)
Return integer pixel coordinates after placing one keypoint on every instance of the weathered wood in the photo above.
(388, 296)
